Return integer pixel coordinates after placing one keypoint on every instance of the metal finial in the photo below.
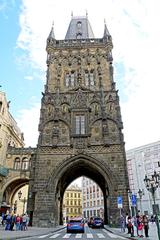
(86, 14)
(104, 21)
(72, 14)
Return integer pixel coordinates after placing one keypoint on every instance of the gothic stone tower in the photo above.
(80, 125)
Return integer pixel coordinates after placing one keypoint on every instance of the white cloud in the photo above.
(29, 78)
(136, 37)
(28, 122)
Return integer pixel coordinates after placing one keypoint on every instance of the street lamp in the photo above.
(23, 200)
(152, 184)
(141, 193)
(130, 197)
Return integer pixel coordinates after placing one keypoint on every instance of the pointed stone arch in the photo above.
(67, 171)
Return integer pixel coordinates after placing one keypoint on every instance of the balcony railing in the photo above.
(3, 171)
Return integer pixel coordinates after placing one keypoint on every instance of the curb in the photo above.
(112, 231)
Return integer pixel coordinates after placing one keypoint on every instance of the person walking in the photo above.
(18, 220)
(146, 225)
(122, 223)
(127, 221)
(140, 227)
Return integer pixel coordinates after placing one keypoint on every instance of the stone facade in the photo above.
(10, 137)
(10, 134)
(80, 128)
(18, 162)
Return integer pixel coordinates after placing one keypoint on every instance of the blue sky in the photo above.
(24, 27)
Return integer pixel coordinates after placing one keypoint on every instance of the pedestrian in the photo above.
(130, 226)
(146, 225)
(18, 220)
(27, 221)
(122, 223)
(8, 222)
(140, 227)
(24, 222)
(127, 221)
(3, 218)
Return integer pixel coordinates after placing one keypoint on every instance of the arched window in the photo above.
(17, 164)
(80, 124)
(67, 80)
(89, 78)
(70, 79)
(25, 163)
(79, 35)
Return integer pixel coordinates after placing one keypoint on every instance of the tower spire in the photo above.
(106, 32)
(51, 35)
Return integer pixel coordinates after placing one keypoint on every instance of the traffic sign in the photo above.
(134, 200)
(119, 201)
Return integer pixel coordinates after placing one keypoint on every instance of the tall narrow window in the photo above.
(80, 124)
(72, 79)
(17, 164)
(25, 163)
(86, 79)
(67, 80)
(0, 106)
(91, 79)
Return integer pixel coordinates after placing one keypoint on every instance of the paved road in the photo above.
(93, 234)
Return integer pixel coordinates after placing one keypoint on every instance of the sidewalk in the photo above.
(32, 231)
(152, 233)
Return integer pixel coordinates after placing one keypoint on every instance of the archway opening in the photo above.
(83, 198)
(87, 168)
(15, 197)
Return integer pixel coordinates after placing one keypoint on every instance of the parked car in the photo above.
(97, 222)
(75, 225)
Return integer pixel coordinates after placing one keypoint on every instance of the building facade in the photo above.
(80, 128)
(141, 161)
(72, 202)
(10, 134)
(10, 166)
(92, 199)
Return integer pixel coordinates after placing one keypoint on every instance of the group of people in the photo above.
(136, 226)
(16, 222)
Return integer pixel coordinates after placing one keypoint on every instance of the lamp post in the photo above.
(23, 200)
(152, 184)
(130, 197)
(141, 193)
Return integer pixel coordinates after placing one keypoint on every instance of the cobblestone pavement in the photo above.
(153, 235)
(32, 231)
(35, 231)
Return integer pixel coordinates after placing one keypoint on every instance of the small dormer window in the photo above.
(79, 35)
(79, 24)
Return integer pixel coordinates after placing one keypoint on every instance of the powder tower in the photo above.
(80, 128)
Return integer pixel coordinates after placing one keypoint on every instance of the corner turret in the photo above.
(51, 36)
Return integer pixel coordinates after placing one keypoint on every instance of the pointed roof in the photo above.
(106, 32)
(51, 35)
(79, 28)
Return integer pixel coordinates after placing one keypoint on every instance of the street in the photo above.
(89, 234)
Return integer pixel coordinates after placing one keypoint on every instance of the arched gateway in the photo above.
(80, 125)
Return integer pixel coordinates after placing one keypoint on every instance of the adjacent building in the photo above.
(143, 161)
(10, 134)
(72, 203)
(92, 199)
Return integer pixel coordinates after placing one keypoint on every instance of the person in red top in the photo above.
(18, 219)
